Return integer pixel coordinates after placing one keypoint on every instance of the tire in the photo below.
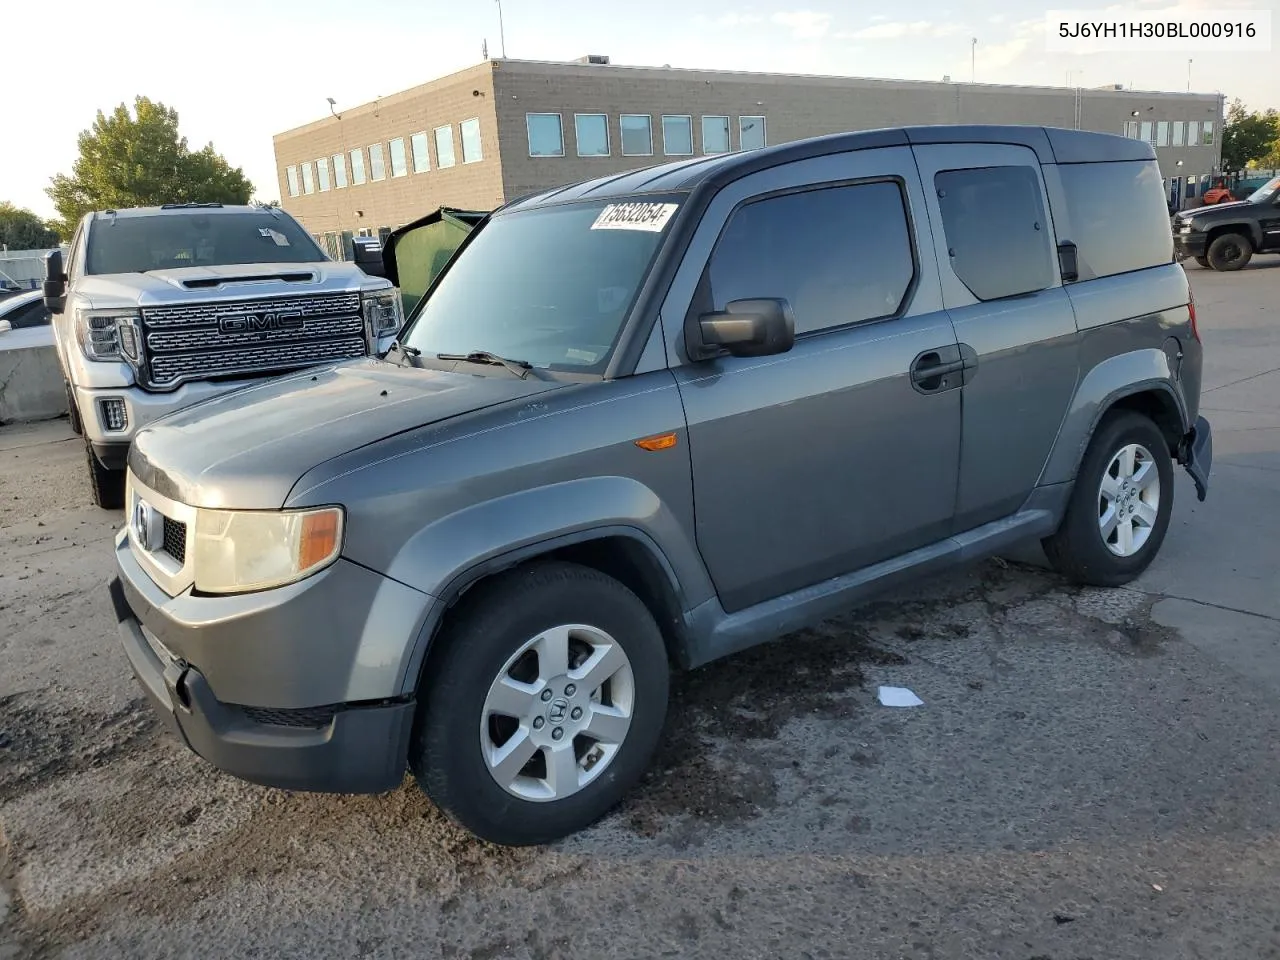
(73, 412)
(1078, 549)
(107, 485)
(1231, 251)
(457, 735)
(1203, 261)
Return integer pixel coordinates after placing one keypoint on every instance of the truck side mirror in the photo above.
(55, 282)
(745, 328)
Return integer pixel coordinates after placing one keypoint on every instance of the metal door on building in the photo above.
(1175, 193)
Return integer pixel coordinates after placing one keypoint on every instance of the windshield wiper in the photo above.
(520, 368)
(405, 351)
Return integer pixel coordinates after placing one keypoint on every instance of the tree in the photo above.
(140, 160)
(21, 229)
(1248, 137)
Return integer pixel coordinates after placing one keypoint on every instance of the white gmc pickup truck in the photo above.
(158, 308)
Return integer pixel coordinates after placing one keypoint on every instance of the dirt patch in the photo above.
(39, 743)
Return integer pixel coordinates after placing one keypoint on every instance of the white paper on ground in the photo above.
(899, 697)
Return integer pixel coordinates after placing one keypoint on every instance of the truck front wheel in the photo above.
(107, 485)
(542, 705)
(1231, 251)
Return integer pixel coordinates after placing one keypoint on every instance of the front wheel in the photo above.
(1231, 251)
(1120, 506)
(1203, 261)
(543, 706)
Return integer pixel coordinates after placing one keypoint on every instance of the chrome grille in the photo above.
(261, 359)
(244, 337)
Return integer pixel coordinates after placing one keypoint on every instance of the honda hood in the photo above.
(247, 449)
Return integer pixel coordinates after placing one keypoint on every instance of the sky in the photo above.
(239, 71)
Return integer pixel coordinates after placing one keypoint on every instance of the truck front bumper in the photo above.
(1189, 245)
(111, 446)
(258, 692)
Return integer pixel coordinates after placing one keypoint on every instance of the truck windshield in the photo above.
(548, 286)
(169, 241)
(1265, 192)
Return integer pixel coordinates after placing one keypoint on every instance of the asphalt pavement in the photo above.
(1092, 773)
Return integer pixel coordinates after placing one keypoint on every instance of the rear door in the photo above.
(997, 258)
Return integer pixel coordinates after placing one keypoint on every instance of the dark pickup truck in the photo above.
(1225, 236)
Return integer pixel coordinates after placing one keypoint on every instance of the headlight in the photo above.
(238, 551)
(108, 334)
(383, 311)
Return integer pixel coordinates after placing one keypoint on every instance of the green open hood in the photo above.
(414, 255)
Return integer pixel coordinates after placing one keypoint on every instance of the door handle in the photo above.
(933, 371)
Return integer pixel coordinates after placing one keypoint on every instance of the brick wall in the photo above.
(397, 200)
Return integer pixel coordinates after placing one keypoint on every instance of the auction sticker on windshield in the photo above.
(651, 217)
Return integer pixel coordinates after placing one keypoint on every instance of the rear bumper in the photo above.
(344, 748)
(1196, 455)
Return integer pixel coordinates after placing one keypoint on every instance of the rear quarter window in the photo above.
(1119, 216)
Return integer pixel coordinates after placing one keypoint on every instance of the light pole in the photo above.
(502, 36)
(973, 60)
(337, 204)
(1188, 76)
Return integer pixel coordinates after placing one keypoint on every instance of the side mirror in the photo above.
(746, 328)
(1068, 262)
(55, 282)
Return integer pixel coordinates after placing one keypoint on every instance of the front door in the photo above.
(843, 451)
(1000, 281)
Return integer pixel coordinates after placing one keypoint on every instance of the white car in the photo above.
(23, 310)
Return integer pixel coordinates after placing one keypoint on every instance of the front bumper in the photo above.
(1196, 455)
(1189, 245)
(298, 687)
(141, 408)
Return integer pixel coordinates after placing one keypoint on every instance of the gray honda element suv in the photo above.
(647, 421)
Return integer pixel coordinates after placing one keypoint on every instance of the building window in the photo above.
(1179, 133)
(421, 155)
(831, 275)
(715, 134)
(357, 166)
(1131, 129)
(322, 174)
(291, 175)
(469, 131)
(751, 133)
(1147, 131)
(1193, 133)
(546, 137)
(1162, 133)
(377, 162)
(677, 136)
(1206, 134)
(996, 229)
(637, 134)
(592, 133)
(444, 147)
(308, 178)
(399, 162)
(339, 171)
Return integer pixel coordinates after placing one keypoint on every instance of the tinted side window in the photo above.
(32, 314)
(838, 254)
(997, 232)
(1119, 219)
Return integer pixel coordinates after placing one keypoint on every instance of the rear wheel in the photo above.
(1231, 251)
(543, 706)
(1120, 506)
(107, 485)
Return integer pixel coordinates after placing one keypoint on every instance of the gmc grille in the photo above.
(250, 337)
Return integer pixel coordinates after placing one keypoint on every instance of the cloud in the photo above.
(804, 24)
(878, 17)
(897, 29)
(739, 19)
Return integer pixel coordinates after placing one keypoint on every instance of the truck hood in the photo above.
(1215, 213)
(247, 449)
(215, 283)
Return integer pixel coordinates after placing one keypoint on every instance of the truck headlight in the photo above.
(383, 311)
(238, 551)
(108, 334)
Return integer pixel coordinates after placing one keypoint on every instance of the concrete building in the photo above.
(504, 128)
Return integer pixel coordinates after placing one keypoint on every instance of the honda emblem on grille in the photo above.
(143, 522)
(261, 322)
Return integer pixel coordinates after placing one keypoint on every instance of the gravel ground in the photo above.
(1093, 773)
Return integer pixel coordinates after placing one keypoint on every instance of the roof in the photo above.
(1051, 144)
(177, 209)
